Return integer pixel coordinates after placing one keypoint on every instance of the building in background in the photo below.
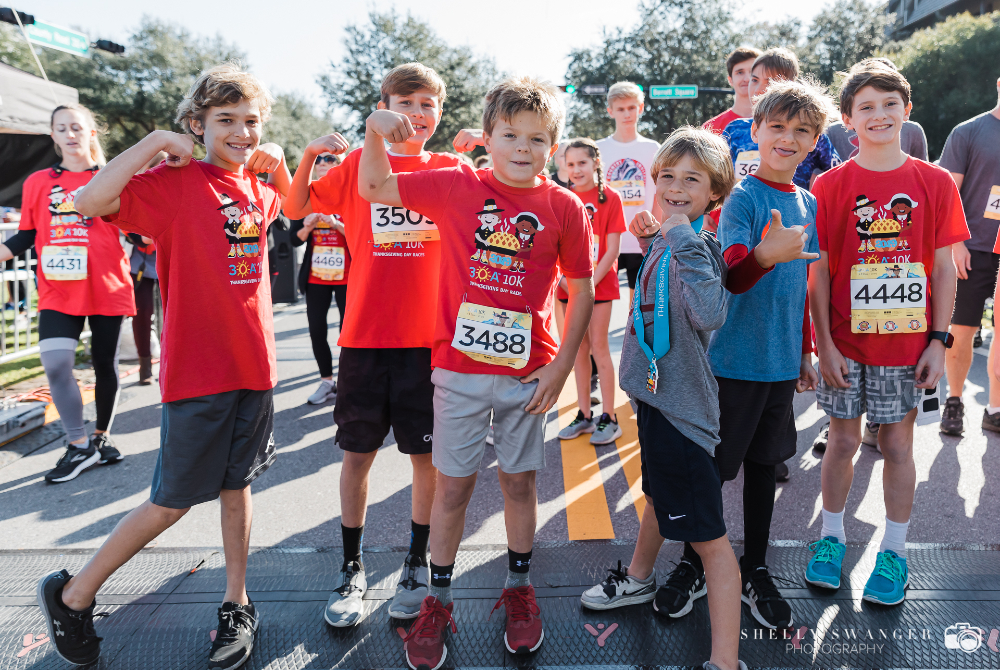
(915, 14)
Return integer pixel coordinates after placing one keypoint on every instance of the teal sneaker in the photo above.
(824, 567)
(887, 585)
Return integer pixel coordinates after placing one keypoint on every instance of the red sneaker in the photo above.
(424, 644)
(524, 632)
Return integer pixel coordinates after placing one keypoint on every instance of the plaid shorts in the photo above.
(887, 393)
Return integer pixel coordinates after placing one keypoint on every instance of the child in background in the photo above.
(561, 175)
(604, 206)
(738, 66)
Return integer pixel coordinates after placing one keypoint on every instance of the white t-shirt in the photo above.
(626, 169)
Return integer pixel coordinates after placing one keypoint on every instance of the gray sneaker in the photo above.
(708, 665)
(327, 391)
(345, 608)
(607, 430)
(619, 589)
(410, 592)
(579, 426)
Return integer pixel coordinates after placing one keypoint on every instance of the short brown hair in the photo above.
(709, 151)
(225, 84)
(739, 55)
(805, 99)
(875, 74)
(781, 63)
(524, 94)
(408, 78)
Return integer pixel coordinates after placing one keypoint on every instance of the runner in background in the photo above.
(561, 176)
(83, 276)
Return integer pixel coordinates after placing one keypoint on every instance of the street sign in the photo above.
(673, 92)
(56, 37)
(594, 89)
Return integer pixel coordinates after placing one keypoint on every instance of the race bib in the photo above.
(328, 263)
(747, 163)
(492, 335)
(888, 298)
(632, 191)
(398, 224)
(64, 263)
(595, 252)
(993, 204)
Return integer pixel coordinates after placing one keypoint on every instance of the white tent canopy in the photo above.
(27, 101)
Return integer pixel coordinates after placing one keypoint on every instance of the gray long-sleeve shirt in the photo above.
(687, 393)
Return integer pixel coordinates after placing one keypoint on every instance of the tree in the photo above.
(843, 34)
(388, 40)
(940, 64)
(293, 125)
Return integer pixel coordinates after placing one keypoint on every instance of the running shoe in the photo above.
(607, 430)
(819, 444)
(345, 607)
(870, 435)
(991, 421)
(708, 665)
(781, 473)
(888, 582)
(977, 341)
(411, 590)
(619, 589)
(523, 633)
(106, 448)
(764, 599)
(424, 644)
(72, 463)
(953, 417)
(577, 427)
(234, 638)
(327, 391)
(825, 565)
(684, 585)
(145, 370)
(71, 632)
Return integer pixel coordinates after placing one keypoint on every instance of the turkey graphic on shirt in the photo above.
(63, 210)
(880, 227)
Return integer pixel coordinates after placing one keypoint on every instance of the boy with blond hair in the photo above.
(218, 412)
(495, 348)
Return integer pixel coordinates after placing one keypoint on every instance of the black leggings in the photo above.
(142, 322)
(318, 300)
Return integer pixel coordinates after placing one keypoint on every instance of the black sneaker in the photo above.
(109, 454)
(991, 421)
(953, 417)
(71, 632)
(238, 625)
(977, 341)
(781, 473)
(72, 463)
(766, 603)
(819, 444)
(684, 585)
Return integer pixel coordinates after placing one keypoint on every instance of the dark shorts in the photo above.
(566, 301)
(681, 478)
(630, 263)
(210, 443)
(971, 293)
(757, 424)
(378, 389)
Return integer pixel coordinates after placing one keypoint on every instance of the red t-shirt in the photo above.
(82, 267)
(523, 233)
(331, 259)
(606, 217)
(210, 228)
(717, 124)
(858, 223)
(395, 255)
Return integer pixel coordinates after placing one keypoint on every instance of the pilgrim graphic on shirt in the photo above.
(489, 217)
(880, 227)
(504, 245)
(242, 227)
(63, 210)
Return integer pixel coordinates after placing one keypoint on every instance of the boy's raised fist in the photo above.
(643, 224)
(329, 144)
(468, 139)
(266, 159)
(179, 148)
(392, 126)
(782, 245)
(674, 221)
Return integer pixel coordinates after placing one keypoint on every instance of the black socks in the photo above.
(420, 535)
(352, 543)
(517, 569)
(441, 582)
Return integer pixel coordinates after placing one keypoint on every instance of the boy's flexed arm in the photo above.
(296, 205)
(376, 182)
(930, 367)
(832, 365)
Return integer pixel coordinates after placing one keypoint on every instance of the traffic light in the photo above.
(108, 45)
(568, 88)
(7, 16)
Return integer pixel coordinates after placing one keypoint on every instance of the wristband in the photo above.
(946, 338)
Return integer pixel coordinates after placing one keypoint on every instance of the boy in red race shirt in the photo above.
(385, 345)
(738, 68)
(494, 345)
(881, 297)
(218, 366)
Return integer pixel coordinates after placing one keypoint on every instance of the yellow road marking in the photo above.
(628, 454)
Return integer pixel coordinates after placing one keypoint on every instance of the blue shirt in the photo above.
(762, 337)
(820, 159)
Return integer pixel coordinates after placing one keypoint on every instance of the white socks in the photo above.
(992, 410)
(833, 526)
(895, 537)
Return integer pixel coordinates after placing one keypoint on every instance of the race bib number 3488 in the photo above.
(492, 335)
(398, 224)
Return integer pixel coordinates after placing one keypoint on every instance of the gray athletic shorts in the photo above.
(462, 406)
(887, 393)
(210, 443)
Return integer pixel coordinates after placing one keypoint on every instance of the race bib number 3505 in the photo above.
(888, 298)
(64, 263)
(398, 224)
(492, 335)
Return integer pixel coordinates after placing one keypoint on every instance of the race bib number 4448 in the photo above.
(888, 298)
(398, 224)
(492, 335)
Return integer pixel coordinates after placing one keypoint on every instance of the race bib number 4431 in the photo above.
(492, 335)
(888, 298)
(64, 263)
(398, 224)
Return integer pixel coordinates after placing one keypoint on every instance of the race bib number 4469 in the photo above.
(64, 263)
(492, 335)
(888, 298)
(398, 224)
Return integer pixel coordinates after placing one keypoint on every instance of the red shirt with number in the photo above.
(210, 228)
(82, 266)
(605, 217)
(395, 255)
(523, 233)
(928, 215)
(332, 263)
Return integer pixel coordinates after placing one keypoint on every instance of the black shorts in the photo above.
(210, 443)
(566, 301)
(382, 388)
(971, 293)
(630, 263)
(756, 424)
(681, 478)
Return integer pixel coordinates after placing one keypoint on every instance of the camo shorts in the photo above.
(887, 393)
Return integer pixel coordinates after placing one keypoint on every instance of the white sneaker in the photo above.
(327, 391)
(619, 589)
(345, 607)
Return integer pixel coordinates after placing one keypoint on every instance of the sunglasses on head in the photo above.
(327, 158)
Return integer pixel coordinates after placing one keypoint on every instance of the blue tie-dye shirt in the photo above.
(820, 159)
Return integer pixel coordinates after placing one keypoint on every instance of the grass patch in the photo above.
(23, 369)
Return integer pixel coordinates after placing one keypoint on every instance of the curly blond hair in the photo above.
(709, 151)
(225, 84)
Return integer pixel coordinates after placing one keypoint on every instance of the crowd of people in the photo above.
(767, 236)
